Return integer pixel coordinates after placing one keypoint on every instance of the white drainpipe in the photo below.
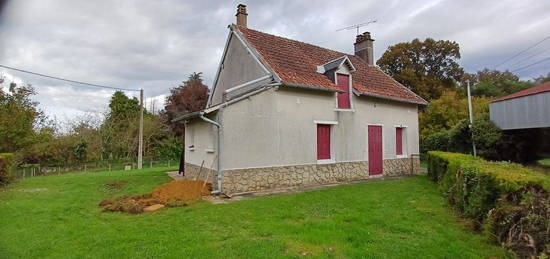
(218, 169)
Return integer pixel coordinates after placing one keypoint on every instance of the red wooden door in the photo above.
(343, 98)
(375, 149)
(323, 141)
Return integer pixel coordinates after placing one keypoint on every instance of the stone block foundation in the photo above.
(257, 179)
(191, 172)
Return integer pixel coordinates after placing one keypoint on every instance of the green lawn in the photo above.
(544, 162)
(59, 217)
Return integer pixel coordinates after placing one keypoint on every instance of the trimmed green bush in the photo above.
(7, 165)
(509, 201)
(437, 141)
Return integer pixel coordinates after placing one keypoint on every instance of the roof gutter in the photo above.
(391, 98)
(187, 116)
(310, 87)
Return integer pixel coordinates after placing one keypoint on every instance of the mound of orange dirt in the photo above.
(172, 194)
(181, 190)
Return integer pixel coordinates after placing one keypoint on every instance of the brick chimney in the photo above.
(363, 47)
(241, 15)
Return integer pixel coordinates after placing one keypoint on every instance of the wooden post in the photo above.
(200, 170)
(140, 144)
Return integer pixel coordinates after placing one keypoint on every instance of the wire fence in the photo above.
(33, 170)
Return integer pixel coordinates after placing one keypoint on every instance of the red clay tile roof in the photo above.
(296, 63)
(545, 87)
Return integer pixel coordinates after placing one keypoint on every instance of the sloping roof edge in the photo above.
(234, 29)
(335, 63)
(541, 88)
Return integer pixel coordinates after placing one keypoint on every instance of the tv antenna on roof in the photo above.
(357, 26)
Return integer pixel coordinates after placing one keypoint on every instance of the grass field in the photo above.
(59, 217)
(544, 162)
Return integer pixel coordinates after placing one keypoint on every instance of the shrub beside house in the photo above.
(510, 202)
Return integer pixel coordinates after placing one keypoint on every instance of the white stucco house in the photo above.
(284, 113)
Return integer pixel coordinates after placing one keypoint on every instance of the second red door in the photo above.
(375, 149)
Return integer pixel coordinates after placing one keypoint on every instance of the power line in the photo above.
(532, 64)
(523, 51)
(68, 80)
(528, 58)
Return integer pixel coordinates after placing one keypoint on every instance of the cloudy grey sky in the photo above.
(155, 44)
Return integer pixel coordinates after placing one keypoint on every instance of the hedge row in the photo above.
(511, 203)
(7, 165)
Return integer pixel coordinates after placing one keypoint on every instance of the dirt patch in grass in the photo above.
(116, 185)
(172, 194)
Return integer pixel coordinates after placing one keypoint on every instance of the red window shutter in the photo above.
(323, 141)
(399, 141)
(343, 98)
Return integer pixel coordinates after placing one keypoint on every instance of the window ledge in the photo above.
(209, 150)
(344, 110)
(325, 161)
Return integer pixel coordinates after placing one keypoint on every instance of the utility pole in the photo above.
(470, 111)
(140, 147)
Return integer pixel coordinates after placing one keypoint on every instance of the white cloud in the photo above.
(156, 44)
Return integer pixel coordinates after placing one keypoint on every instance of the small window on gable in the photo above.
(399, 131)
(343, 97)
(323, 141)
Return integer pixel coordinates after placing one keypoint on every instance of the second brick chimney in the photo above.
(241, 15)
(364, 47)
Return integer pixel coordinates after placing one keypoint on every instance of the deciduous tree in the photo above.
(190, 96)
(427, 67)
(19, 117)
(494, 83)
